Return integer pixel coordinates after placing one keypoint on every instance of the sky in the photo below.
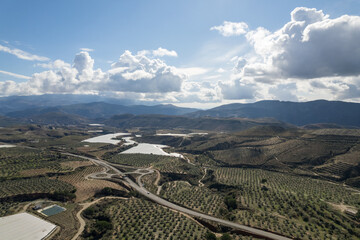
(193, 53)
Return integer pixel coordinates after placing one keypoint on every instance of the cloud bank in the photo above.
(131, 73)
(311, 47)
(311, 56)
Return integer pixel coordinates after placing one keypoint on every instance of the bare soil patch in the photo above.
(86, 189)
(75, 164)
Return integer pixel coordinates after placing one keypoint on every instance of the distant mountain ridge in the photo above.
(19, 103)
(101, 110)
(297, 113)
(82, 108)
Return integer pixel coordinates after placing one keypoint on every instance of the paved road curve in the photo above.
(155, 198)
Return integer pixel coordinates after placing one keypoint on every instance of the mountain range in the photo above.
(297, 113)
(77, 109)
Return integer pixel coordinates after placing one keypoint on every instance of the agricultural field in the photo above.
(177, 165)
(197, 198)
(286, 183)
(24, 162)
(141, 219)
(10, 207)
(42, 136)
(138, 160)
(87, 188)
(11, 188)
(283, 200)
(282, 203)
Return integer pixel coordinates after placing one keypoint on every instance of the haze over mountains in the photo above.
(73, 109)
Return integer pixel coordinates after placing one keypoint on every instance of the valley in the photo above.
(262, 182)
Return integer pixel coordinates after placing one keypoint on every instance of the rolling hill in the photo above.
(201, 123)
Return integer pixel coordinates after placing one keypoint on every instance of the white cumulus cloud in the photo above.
(160, 52)
(311, 56)
(130, 74)
(87, 49)
(311, 45)
(139, 73)
(228, 29)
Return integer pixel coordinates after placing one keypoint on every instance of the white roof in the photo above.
(24, 226)
(147, 148)
(107, 138)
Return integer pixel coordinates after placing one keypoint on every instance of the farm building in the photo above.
(25, 226)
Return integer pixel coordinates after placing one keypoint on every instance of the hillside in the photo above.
(329, 153)
(298, 113)
(202, 123)
(6, 121)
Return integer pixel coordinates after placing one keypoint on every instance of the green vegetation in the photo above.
(291, 205)
(141, 219)
(283, 198)
(210, 236)
(225, 236)
(137, 160)
(8, 207)
(107, 191)
(15, 160)
(149, 182)
(197, 198)
(284, 203)
(177, 165)
(43, 136)
(11, 188)
(99, 223)
(329, 153)
(287, 184)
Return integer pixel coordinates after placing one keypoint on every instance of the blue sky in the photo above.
(46, 31)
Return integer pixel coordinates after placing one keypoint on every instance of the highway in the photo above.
(253, 231)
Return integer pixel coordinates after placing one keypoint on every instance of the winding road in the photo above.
(246, 229)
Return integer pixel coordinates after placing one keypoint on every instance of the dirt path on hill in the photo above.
(200, 183)
(85, 206)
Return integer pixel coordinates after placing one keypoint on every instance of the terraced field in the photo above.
(336, 169)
